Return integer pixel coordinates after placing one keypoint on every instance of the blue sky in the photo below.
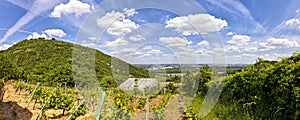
(187, 31)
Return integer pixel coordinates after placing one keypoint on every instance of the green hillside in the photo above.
(51, 62)
(266, 90)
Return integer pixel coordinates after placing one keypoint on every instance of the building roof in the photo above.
(142, 83)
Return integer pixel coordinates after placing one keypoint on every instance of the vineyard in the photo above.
(66, 103)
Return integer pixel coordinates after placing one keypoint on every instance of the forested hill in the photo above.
(50, 62)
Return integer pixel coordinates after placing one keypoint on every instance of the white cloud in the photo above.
(250, 49)
(273, 43)
(233, 49)
(92, 38)
(109, 18)
(88, 43)
(180, 47)
(275, 56)
(37, 7)
(249, 55)
(137, 38)
(203, 43)
(293, 22)
(262, 46)
(55, 32)
(117, 43)
(144, 55)
(123, 52)
(36, 35)
(117, 23)
(75, 7)
(154, 52)
(47, 34)
(122, 27)
(4, 46)
(147, 48)
(174, 41)
(278, 42)
(241, 43)
(196, 24)
(218, 51)
(230, 33)
(129, 12)
(239, 40)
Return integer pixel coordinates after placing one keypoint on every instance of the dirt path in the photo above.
(174, 108)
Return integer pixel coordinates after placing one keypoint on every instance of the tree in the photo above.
(204, 76)
(108, 81)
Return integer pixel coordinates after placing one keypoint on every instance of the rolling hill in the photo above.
(54, 62)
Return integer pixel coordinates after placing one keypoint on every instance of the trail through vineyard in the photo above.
(173, 110)
(14, 106)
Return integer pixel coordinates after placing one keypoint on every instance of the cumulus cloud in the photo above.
(250, 49)
(75, 7)
(55, 32)
(203, 43)
(129, 12)
(175, 41)
(117, 43)
(275, 56)
(122, 27)
(196, 24)
(147, 48)
(293, 22)
(36, 35)
(230, 33)
(278, 42)
(4, 46)
(233, 49)
(89, 44)
(123, 52)
(137, 38)
(92, 38)
(249, 55)
(241, 43)
(262, 46)
(179, 46)
(239, 40)
(273, 43)
(47, 34)
(154, 52)
(108, 18)
(117, 23)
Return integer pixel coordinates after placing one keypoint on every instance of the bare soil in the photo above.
(14, 106)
